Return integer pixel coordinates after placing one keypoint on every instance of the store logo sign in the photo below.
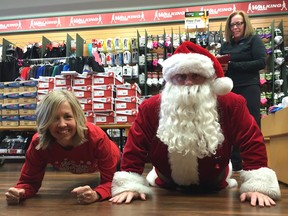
(10, 25)
(171, 14)
(265, 7)
(219, 10)
(128, 18)
(86, 20)
(3, 26)
(44, 23)
(125, 18)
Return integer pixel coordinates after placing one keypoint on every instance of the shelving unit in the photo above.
(15, 130)
(273, 74)
(45, 42)
(282, 67)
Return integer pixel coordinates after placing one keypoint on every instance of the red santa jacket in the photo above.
(239, 129)
(98, 153)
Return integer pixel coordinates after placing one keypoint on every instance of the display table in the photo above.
(275, 130)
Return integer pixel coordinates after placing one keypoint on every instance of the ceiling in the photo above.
(22, 9)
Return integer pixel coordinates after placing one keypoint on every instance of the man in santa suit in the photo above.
(188, 131)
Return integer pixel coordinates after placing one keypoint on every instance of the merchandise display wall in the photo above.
(87, 36)
(22, 39)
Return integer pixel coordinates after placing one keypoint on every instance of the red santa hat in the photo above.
(192, 58)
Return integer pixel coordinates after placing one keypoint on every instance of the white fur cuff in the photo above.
(129, 181)
(151, 177)
(263, 180)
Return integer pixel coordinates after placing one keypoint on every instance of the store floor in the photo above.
(54, 199)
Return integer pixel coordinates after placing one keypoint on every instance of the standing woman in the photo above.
(66, 141)
(247, 57)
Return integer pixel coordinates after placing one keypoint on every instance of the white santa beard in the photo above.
(189, 120)
(189, 126)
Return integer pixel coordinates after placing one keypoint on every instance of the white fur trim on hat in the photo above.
(185, 63)
(222, 86)
(263, 180)
(129, 181)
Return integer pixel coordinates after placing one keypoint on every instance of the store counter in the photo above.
(275, 130)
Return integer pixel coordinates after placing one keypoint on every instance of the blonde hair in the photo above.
(248, 31)
(46, 111)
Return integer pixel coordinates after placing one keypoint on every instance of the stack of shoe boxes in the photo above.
(127, 102)
(28, 102)
(104, 97)
(104, 93)
(18, 103)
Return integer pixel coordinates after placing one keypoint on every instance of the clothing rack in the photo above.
(48, 59)
(51, 60)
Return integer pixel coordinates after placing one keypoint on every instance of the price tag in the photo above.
(196, 20)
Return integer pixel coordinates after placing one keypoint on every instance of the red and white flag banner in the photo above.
(256, 8)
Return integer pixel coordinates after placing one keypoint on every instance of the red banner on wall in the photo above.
(140, 17)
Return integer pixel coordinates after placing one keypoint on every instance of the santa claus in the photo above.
(188, 131)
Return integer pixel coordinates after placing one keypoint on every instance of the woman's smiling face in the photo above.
(63, 128)
(237, 27)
